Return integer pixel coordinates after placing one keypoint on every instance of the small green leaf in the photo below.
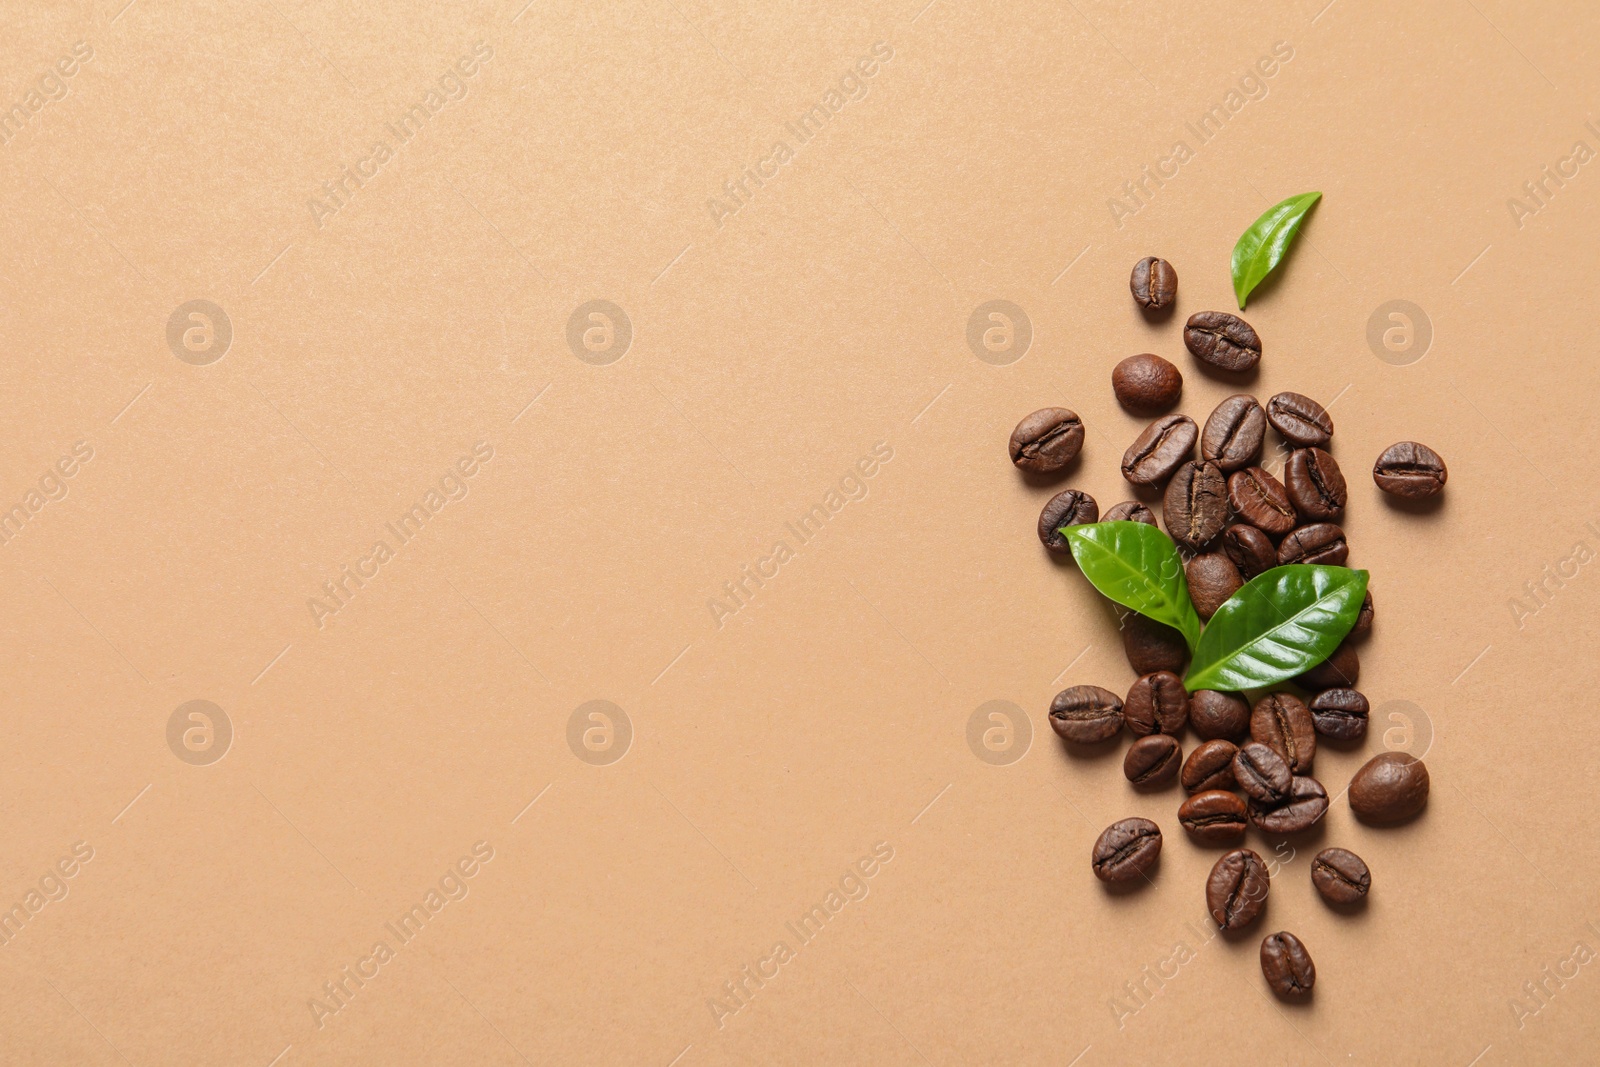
(1136, 565)
(1262, 246)
(1281, 623)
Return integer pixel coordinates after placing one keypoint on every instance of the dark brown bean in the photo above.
(1287, 966)
(1340, 876)
(1215, 715)
(1340, 714)
(1126, 850)
(1152, 646)
(1320, 542)
(1195, 505)
(1086, 714)
(1047, 440)
(1410, 470)
(1153, 761)
(1157, 703)
(1233, 434)
(1214, 817)
(1363, 625)
(1224, 341)
(1342, 669)
(1250, 549)
(1210, 766)
(1260, 500)
(1262, 773)
(1282, 723)
(1154, 283)
(1389, 788)
(1301, 420)
(1146, 383)
(1315, 484)
(1160, 449)
(1212, 579)
(1302, 809)
(1071, 507)
(1130, 511)
(1236, 889)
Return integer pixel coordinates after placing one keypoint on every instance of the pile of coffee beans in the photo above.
(1232, 519)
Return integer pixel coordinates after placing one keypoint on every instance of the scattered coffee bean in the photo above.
(1389, 788)
(1233, 434)
(1071, 507)
(1218, 716)
(1212, 579)
(1305, 805)
(1157, 704)
(1154, 283)
(1086, 714)
(1152, 646)
(1162, 448)
(1047, 440)
(1236, 889)
(1300, 420)
(1195, 505)
(1340, 876)
(1209, 766)
(1284, 725)
(1146, 383)
(1153, 761)
(1130, 511)
(1262, 773)
(1320, 542)
(1214, 817)
(1250, 549)
(1126, 850)
(1315, 483)
(1287, 966)
(1261, 501)
(1341, 670)
(1363, 625)
(1410, 470)
(1340, 714)
(1224, 341)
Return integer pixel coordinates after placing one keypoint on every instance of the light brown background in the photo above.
(768, 355)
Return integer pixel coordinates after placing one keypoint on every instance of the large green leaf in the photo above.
(1262, 246)
(1281, 623)
(1136, 565)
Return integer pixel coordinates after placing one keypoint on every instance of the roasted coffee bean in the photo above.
(1154, 283)
(1250, 549)
(1214, 817)
(1389, 788)
(1261, 501)
(1086, 714)
(1287, 966)
(1126, 850)
(1410, 470)
(1212, 579)
(1341, 670)
(1306, 803)
(1340, 876)
(1146, 383)
(1320, 542)
(1195, 505)
(1162, 448)
(1224, 341)
(1071, 507)
(1233, 434)
(1157, 704)
(1215, 715)
(1047, 440)
(1153, 761)
(1130, 511)
(1262, 773)
(1300, 420)
(1363, 625)
(1236, 889)
(1284, 725)
(1152, 646)
(1340, 714)
(1209, 767)
(1315, 483)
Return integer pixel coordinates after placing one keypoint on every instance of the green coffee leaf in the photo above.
(1262, 246)
(1136, 565)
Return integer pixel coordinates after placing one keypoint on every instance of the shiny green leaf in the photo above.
(1281, 623)
(1262, 246)
(1136, 565)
